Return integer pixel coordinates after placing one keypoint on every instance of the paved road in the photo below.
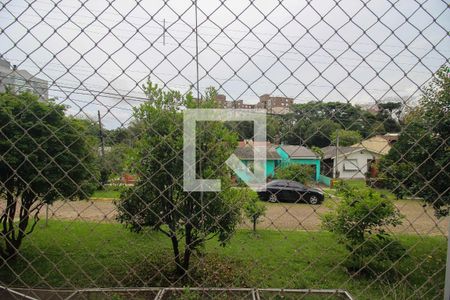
(279, 216)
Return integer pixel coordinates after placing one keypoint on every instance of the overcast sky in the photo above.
(96, 55)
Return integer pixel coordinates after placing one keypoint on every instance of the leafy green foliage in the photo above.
(45, 156)
(318, 151)
(296, 172)
(314, 122)
(254, 209)
(389, 116)
(116, 160)
(346, 137)
(245, 129)
(158, 200)
(360, 220)
(419, 162)
(319, 133)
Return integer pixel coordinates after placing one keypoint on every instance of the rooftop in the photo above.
(330, 151)
(297, 151)
(377, 144)
(246, 153)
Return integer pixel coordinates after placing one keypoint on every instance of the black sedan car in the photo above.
(290, 191)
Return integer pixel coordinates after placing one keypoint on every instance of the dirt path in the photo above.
(417, 219)
(279, 216)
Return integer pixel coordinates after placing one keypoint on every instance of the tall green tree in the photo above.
(319, 133)
(313, 123)
(158, 200)
(389, 116)
(419, 162)
(45, 156)
(115, 160)
(345, 114)
(346, 137)
(245, 129)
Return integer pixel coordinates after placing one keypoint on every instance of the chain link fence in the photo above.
(356, 162)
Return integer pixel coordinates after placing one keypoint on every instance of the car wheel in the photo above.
(272, 198)
(313, 199)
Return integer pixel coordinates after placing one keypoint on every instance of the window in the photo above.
(295, 184)
(351, 165)
(277, 184)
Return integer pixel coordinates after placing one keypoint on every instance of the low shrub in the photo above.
(360, 220)
(254, 209)
(299, 173)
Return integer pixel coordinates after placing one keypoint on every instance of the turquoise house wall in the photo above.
(270, 169)
(325, 180)
(285, 160)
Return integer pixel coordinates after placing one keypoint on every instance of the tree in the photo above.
(296, 172)
(115, 160)
(348, 116)
(359, 220)
(389, 116)
(319, 133)
(245, 129)
(45, 156)
(158, 200)
(254, 209)
(120, 135)
(419, 162)
(274, 127)
(293, 130)
(346, 137)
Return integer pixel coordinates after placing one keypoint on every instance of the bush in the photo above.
(299, 173)
(359, 221)
(254, 209)
(342, 188)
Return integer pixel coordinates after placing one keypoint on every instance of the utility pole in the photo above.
(103, 174)
(100, 135)
(335, 164)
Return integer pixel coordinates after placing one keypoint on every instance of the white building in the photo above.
(21, 80)
(351, 162)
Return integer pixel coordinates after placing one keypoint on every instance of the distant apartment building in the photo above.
(241, 105)
(274, 105)
(222, 100)
(21, 80)
(238, 104)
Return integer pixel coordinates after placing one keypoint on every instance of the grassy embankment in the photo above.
(80, 255)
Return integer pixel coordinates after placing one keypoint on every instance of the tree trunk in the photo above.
(254, 224)
(13, 240)
(176, 253)
(8, 233)
(186, 260)
(187, 250)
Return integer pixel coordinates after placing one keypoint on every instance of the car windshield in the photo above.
(284, 183)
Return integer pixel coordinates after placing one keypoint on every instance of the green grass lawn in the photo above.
(81, 255)
(361, 184)
(107, 192)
